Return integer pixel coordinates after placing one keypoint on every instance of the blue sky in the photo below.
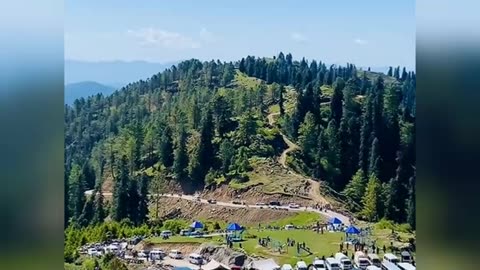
(367, 33)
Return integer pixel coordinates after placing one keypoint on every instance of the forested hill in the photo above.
(202, 123)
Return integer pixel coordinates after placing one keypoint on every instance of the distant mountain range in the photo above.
(85, 89)
(83, 79)
(114, 73)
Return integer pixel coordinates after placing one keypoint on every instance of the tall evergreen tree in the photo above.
(143, 199)
(99, 208)
(133, 201)
(281, 91)
(166, 147)
(336, 103)
(120, 191)
(180, 156)
(226, 154)
(375, 159)
(372, 203)
(355, 189)
(308, 135)
(76, 192)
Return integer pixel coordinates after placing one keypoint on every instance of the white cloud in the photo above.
(298, 37)
(163, 38)
(206, 35)
(360, 41)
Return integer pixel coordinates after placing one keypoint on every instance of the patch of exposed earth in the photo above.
(171, 208)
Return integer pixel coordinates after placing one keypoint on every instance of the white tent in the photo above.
(214, 265)
(267, 264)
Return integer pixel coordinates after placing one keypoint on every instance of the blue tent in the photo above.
(352, 230)
(196, 225)
(234, 227)
(334, 221)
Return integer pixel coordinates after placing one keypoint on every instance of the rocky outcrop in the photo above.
(223, 254)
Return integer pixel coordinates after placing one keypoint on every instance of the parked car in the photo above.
(195, 259)
(274, 203)
(294, 205)
(319, 265)
(166, 233)
(196, 233)
(157, 254)
(289, 227)
(286, 267)
(236, 202)
(260, 204)
(175, 254)
(212, 201)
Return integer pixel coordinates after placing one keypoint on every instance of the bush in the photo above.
(174, 225)
(216, 226)
(390, 225)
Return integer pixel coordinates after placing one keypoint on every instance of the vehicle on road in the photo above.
(406, 257)
(361, 260)
(301, 265)
(260, 204)
(274, 203)
(157, 254)
(236, 202)
(211, 201)
(389, 257)
(195, 258)
(319, 265)
(293, 205)
(332, 264)
(289, 227)
(175, 254)
(345, 262)
(374, 260)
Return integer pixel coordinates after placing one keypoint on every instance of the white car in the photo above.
(94, 252)
(319, 265)
(166, 233)
(175, 254)
(293, 206)
(286, 267)
(260, 204)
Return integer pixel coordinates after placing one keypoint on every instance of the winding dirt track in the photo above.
(315, 186)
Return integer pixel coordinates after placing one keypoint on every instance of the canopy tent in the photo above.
(267, 264)
(234, 227)
(236, 232)
(334, 220)
(352, 230)
(196, 225)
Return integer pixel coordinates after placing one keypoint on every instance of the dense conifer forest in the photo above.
(198, 122)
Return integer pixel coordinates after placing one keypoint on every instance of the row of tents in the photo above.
(196, 225)
(350, 230)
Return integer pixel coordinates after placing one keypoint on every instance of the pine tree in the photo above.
(120, 191)
(372, 203)
(226, 154)
(336, 103)
(281, 101)
(203, 159)
(180, 156)
(87, 213)
(166, 147)
(308, 134)
(411, 204)
(76, 192)
(143, 199)
(390, 72)
(355, 189)
(375, 158)
(99, 210)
